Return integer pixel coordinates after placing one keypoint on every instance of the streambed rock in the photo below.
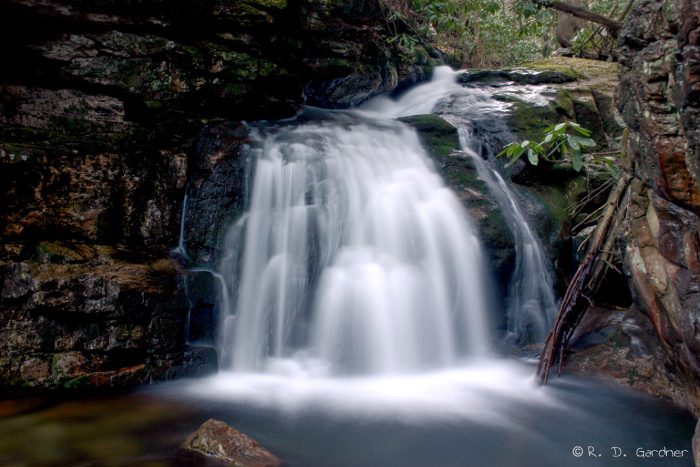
(229, 446)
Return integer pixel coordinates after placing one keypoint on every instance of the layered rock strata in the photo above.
(659, 98)
(101, 105)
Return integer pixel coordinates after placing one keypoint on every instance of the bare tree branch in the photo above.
(611, 25)
(625, 10)
(586, 281)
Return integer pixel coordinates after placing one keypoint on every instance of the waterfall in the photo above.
(531, 305)
(353, 258)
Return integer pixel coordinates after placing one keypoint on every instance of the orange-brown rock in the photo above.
(230, 446)
(659, 98)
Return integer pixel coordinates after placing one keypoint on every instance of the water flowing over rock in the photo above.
(101, 105)
(353, 256)
(530, 303)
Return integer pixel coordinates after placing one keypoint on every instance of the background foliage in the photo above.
(492, 33)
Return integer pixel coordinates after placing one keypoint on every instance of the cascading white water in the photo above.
(531, 305)
(420, 100)
(354, 250)
(355, 259)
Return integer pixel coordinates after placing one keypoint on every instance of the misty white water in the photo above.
(354, 324)
(353, 258)
(531, 304)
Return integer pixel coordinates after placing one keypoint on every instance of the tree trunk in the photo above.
(612, 26)
(567, 25)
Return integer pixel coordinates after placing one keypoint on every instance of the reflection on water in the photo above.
(485, 414)
(125, 429)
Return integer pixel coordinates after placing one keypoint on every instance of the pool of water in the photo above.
(481, 414)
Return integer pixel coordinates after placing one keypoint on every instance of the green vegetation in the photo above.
(494, 33)
(75, 383)
(564, 143)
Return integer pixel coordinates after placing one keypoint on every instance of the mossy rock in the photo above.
(459, 171)
(580, 68)
(528, 121)
(439, 135)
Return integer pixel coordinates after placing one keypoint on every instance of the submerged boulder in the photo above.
(229, 446)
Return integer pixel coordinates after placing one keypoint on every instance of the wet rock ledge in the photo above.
(101, 105)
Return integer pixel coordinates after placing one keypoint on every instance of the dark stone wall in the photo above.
(659, 98)
(108, 109)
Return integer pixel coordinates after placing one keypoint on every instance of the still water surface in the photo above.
(483, 414)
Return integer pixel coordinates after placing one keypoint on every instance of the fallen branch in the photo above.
(625, 10)
(587, 279)
(600, 28)
(576, 208)
(587, 219)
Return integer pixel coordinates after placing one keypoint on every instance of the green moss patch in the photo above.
(580, 68)
(529, 121)
(440, 136)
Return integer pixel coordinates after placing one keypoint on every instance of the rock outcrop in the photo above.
(659, 98)
(545, 93)
(229, 446)
(101, 105)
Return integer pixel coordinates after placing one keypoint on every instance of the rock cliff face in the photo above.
(659, 98)
(101, 105)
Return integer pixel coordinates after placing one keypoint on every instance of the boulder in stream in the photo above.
(228, 445)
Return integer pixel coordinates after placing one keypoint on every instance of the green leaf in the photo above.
(573, 142)
(514, 159)
(549, 138)
(508, 150)
(532, 157)
(583, 131)
(578, 161)
(588, 142)
(555, 148)
(560, 127)
(581, 141)
(525, 144)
